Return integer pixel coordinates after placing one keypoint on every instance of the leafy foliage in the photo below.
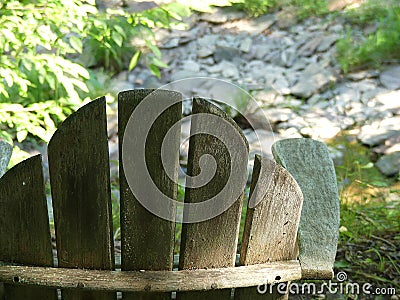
(377, 47)
(47, 47)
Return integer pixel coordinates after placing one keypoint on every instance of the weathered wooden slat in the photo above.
(147, 240)
(271, 225)
(80, 187)
(212, 243)
(5, 155)
(24, 224)
(310, 164)
(152, 282)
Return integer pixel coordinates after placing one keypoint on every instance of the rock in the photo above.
(288, 57)
(281, 85)
(390, 145)
(190, 65)
(171, 43)
(5, 155)
(258, 25)
(312, 80)
(116, 85)
(225, 53)
(229, 69)
(389, 164)
(309, 48)
(391, 78)
(245, 46)
(390, 101)
(287, 17)
(222, 15)
(205, 52)
(362, 74)
(379, 131)
(327, 42)
(182, 74)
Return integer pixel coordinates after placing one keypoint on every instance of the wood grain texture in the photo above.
(5, 155)
(148, 240)
(310, 164)
(24, 224)
(211, 243)
(270, 230)
(152, 282)
(80, 187)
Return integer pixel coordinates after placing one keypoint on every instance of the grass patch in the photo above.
(370, 219)
(381, 45)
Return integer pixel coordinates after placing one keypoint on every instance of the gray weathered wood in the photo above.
(80, 187)
(310, 164)
(211, 243)
(24, 224)
(148, 240)
(5, 155)
(152, 282)
(270, 230)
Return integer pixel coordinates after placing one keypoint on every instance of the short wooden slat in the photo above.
(24, 224)
(5, 155)
(152, 282)
(147, 240)
(270, 230)
(310, 164)
(80, 186)
(211, 243)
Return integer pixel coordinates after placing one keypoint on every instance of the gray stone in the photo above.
(391, 78)
(261, 51)
(246, 44)
(312, 80)
(281, 85)
(117, 86)
(310, 47)
(5, 155)
(287, 17)
(171, 43)
(389, 164)
(258, 25)
(222, 15)
(205, 52)
(182, 74)
(309, 162)
(229, 69)
(390, 145)
(225, 53)
(379, 131)
(190, 65)
(288, 57)
(362, 74)
(390, 101)
(327, 42)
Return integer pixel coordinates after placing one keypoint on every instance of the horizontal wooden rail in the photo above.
(152, 281)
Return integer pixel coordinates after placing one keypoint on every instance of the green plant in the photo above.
(256, 8)
(47, 47)
(383, 44)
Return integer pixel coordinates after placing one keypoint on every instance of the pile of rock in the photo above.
(291, 70)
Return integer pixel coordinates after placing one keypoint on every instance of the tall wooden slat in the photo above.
(5, 155)
(310, 164)
(147, 240)
(211, 243)
(270, 230)
(24, 224)
(80, 186)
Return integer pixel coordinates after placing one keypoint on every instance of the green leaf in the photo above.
(155, 70)
(21, 135)
(134, 60)
(153, 49)
(76, 43)
(117, 38)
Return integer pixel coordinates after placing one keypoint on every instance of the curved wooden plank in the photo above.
(5, 155)
(310, 164)
(80, 186)
(24, 224)
(212, 243)
(270, 230)
(147, 240)
(152, 282)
